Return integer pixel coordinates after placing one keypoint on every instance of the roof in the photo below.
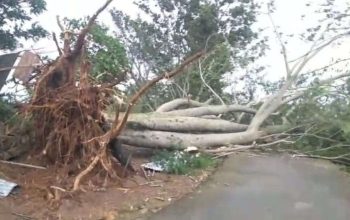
(6, 61)
(22, 64)
(26, 65)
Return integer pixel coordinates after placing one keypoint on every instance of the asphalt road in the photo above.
(267, 188)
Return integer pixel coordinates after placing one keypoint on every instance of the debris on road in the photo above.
(6, 188)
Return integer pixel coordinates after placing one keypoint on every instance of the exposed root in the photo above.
(67, 114)
(67, 107)
(85, 172)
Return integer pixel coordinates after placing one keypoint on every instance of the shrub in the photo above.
(179, 162)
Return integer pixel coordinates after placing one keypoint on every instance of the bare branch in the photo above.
(59, 23)
(284, 51)
(207, 85)
(211, 110)
(299, 94)
(232, 149)
(176, 103)
(22, 164)
(56, 43)
(313, 52)
(327, 148)
(81, 37)
(328, 66)
(323, 157)
(277, 100)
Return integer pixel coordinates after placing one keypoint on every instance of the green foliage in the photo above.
(14, 18)
(324, 115)
(178, 162)
(10, 116)
(6, 110)
(106, 53)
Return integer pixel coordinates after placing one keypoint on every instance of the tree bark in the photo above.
(177, 103)
(174, 140)
(184, 124)
(211, 110)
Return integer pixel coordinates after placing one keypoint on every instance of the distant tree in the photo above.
(15, 16)
(170, 30)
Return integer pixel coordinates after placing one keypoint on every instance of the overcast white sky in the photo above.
(287, 16)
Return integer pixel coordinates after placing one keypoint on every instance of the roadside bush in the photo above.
(179, 162)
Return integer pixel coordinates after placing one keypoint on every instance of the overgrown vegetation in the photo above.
(326, 123)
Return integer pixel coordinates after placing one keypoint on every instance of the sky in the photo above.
(287, 16)
(76, 9)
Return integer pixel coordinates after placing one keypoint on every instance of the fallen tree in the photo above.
(158, 130)
(67, 109)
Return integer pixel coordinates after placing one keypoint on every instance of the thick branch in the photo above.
(172, 140)
(211, 110)
(184, 124)
(276, 100)
(81, 38)
(176, 103)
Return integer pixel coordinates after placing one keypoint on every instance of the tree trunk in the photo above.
(174, 140)
(184, 124)
(177, 103)
(211, 110)
(172, 128)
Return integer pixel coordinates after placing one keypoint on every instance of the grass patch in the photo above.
(178, 162)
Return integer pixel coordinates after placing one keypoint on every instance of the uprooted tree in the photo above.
(67, 108)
